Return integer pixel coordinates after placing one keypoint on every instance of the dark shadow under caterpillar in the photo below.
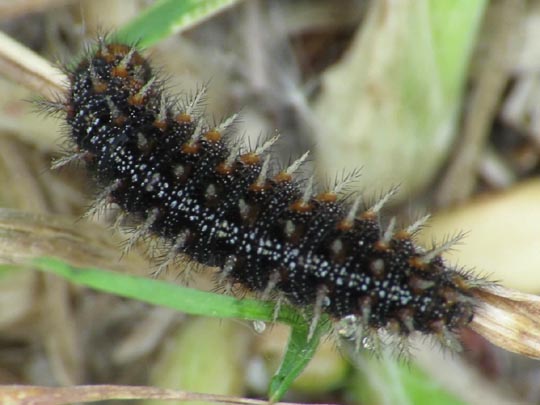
(180, 180)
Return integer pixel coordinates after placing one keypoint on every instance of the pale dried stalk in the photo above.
(460, 177)
(36, 395)
(24, 66)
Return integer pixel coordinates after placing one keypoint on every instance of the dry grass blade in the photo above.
(36, 395)
(25, 236)
(24, 66)
(510, 319)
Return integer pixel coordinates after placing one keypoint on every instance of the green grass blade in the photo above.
(166, 294)
(167, 17)
(299, 350)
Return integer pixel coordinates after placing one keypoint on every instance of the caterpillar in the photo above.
(205, 196)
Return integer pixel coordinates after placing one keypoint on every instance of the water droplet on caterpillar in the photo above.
(259, 326)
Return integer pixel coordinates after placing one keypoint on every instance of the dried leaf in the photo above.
(510, 319)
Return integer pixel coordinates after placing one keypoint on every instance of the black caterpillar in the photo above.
(179, 179)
